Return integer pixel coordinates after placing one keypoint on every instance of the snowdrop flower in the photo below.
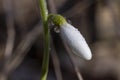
(72, 37)
(75, 40)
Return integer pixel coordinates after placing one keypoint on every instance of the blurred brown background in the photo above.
(21, 40)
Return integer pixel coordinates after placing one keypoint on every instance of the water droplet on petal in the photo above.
(57, 30)
(69, 21)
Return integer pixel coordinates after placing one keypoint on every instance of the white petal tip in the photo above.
(76, 41)
(88, 56)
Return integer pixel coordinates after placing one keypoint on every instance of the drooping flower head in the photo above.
(72, 37)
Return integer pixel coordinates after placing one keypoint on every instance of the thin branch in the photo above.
(23, 47)
(73, 63)
(78, 8)
(114, 17)
(55, 59)
(56, 63)
(8, 8)
(10, 27)
(52, 6)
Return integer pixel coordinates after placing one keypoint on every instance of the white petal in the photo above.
(75, 41)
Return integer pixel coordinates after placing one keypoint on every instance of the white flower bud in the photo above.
(75, 41)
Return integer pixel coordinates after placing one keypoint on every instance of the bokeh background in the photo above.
(21, 40)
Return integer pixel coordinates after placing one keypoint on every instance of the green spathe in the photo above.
(58, 20)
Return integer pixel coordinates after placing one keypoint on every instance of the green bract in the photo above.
(58, 20)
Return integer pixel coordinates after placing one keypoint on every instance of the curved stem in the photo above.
(44, 16)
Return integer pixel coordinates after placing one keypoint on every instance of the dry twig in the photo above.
(56, 62)
(8, 8)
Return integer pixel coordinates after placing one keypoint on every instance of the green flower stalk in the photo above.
(44, 16)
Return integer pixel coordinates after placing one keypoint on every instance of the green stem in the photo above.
(44, 16)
